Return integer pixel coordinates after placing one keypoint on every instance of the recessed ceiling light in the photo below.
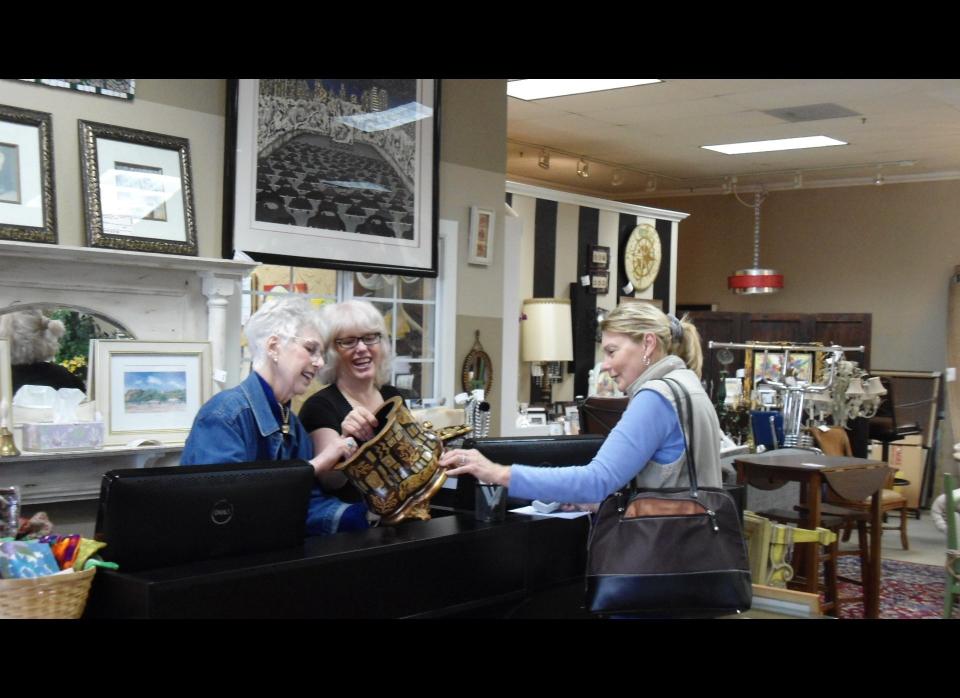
(777, 144)
(544, 88)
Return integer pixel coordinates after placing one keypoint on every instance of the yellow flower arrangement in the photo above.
(75, 364)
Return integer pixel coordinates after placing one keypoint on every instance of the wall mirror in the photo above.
(82, 325)
(477, 368)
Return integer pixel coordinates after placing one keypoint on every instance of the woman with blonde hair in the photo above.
(357, 369)
(645, 351)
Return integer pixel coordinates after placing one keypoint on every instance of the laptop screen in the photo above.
(158, 517)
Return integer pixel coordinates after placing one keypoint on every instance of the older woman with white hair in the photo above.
(253, 421)
(357, 368)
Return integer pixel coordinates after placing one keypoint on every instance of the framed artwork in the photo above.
(333, 172)
(6, 386)
(770, 366)
(137, 190)
(599, 257)
(150, 389)
(27, 202)
(119, 88)
(481, 236)
(599, 282)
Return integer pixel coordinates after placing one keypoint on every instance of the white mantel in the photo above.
(155, 296)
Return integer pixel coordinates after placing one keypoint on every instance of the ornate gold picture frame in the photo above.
(28, 210)
(137, 190)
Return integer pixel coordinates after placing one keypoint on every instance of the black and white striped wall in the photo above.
(558, 229)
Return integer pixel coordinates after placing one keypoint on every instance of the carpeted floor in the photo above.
(907, 590)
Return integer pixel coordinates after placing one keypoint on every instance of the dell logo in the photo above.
(222, 512)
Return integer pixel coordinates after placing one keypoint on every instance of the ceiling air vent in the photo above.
(810, 112)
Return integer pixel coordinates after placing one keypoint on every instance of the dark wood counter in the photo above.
(449, 566)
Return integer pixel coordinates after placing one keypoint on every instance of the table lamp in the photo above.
(546, 336)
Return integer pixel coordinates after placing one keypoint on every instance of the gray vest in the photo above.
(706, 428)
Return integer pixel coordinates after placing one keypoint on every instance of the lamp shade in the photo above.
(547, 332)
(855, 387)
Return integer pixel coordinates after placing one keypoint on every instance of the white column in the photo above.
(217, 289)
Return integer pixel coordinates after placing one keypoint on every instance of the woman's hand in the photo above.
(472, 462)
(333, 451)
(360, 423)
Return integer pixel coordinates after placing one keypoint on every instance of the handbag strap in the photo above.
(688, 436)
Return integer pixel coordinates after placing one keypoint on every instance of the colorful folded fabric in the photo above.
(87, 548)
(65, 548)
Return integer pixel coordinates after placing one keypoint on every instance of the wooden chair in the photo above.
(953, 554)
(599, 415)
(834, 442)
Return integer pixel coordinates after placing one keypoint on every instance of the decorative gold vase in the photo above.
(397, 471)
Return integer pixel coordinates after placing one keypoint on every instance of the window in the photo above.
(407, 303)
(409, 307)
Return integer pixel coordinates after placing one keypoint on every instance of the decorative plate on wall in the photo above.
(642, 256)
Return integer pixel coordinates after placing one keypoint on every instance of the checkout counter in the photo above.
(449, 566)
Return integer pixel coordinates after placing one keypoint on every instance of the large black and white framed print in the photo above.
(137, 190)
(27, 203)
(337, 173)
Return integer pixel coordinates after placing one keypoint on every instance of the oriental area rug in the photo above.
(907, 590)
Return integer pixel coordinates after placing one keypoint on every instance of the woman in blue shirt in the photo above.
(253, 421)
(643, 350)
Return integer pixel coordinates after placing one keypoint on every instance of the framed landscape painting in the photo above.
(150, 390)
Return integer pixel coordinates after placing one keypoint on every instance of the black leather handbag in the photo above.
(675, 552)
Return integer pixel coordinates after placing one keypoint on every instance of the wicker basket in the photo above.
(54, 596)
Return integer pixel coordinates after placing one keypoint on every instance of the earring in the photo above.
(646, 361)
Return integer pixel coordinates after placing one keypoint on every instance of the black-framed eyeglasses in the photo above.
(351, 342)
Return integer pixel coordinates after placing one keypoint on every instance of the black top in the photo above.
(328, 407)
(44, 373)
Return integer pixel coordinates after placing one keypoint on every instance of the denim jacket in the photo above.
(238, 425)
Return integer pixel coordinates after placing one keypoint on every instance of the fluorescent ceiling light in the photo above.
(543, 88)
(777, 144)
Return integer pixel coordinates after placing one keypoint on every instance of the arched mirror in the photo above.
(70, 354)
(477, 368)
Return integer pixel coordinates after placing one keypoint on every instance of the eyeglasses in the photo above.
(350, 342)
(311, 346)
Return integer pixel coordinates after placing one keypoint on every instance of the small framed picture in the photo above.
(27, 201)
(599, 282)
(599, 257)
(481, 235)
(150, 389)
(137, 190)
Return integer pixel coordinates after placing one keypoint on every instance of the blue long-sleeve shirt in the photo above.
(647, 434)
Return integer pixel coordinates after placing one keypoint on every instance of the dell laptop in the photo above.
(158, 517)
